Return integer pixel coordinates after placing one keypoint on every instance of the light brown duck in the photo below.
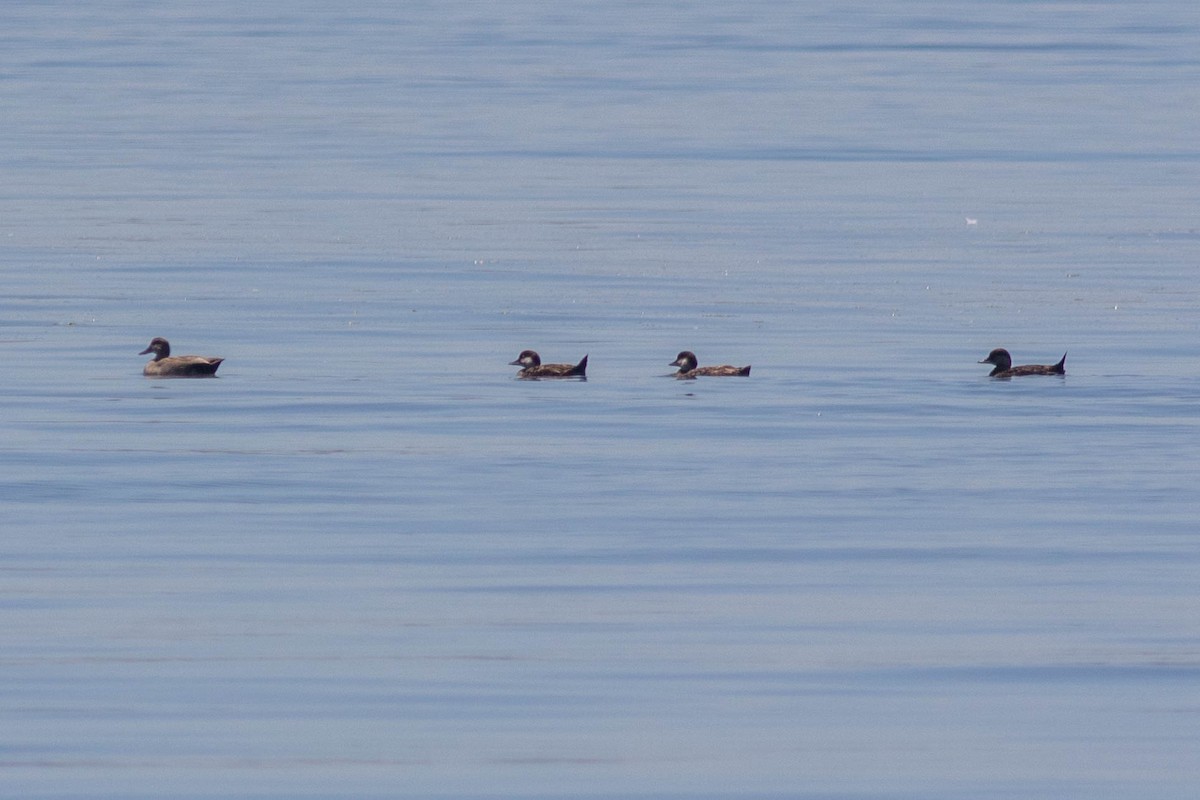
(166, 365)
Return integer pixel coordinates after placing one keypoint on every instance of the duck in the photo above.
(687, 363)
(532, 367)
(1003, 368)
(166, 365)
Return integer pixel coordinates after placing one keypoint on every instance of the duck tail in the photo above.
(1061, 367)
(744, 370)
(581, 367)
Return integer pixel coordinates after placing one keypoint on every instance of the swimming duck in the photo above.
(687, 363)
(1002, 362)
(532, 367)
(166, 365)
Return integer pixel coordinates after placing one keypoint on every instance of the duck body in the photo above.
(532, 367)
(1001, 362)
(166, 365)
(689, 368)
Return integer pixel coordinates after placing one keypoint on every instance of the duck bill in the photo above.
(516, 363)
(147, 350)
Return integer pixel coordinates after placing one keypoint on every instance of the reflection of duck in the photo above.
(533, 368)
(1004, 368)
(166, 365)
(686, 361)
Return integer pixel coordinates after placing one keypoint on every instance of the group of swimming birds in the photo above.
(532, 367)
(165, 365)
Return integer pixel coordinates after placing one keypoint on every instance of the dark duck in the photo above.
(532, 367)
(166, 365)
(689, 367)
(1001, 362)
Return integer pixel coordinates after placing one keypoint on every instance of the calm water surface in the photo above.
(367, 562)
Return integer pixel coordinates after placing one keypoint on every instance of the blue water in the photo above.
(367, 562)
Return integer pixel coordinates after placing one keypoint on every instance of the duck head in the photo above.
(999, 358)
(159, 347)
(686, 361)
(528, 358)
